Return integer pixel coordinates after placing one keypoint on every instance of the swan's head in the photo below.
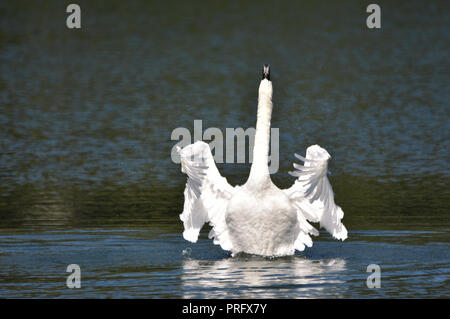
(265, 87)
(266, 72)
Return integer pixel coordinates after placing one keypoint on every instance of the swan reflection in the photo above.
(258, 277)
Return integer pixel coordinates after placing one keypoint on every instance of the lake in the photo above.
(86, 118)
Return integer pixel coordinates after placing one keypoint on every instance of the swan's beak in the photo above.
(266, 72)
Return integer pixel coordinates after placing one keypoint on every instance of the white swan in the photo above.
(258, 217)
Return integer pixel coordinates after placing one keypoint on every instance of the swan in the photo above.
(257, 217)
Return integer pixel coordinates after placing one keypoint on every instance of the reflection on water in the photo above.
(255, 277)
(145, 264)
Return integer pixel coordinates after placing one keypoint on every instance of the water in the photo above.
(86, 118)
(137, 263)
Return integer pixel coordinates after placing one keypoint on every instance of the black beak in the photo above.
(266, 72)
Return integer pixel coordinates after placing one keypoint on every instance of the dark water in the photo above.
(86, 118)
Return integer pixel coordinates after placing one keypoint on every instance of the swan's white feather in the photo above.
(312, 194)
(258, 217)
(206, 195)
(306, 229)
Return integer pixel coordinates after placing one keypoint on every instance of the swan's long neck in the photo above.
(259, 172)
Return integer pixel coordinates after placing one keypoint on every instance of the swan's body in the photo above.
(258, 217)
(262, 222)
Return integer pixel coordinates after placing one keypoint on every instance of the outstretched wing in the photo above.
(206, 195)
(312, 193)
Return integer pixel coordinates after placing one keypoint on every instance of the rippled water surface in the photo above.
(86, 118)
(137, 263)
